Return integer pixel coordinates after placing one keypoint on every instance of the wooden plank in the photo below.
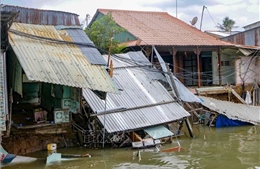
(237, 96)
(193, 110)
(135, 137)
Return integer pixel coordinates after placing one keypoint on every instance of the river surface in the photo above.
(222, 148)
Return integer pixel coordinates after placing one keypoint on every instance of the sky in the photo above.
(243, 12)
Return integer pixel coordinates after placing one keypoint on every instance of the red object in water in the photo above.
(173, 149)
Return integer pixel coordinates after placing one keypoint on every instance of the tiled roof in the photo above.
(160, 28)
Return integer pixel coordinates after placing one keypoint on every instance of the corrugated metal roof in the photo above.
(42, 17)
(160, 28)
(185, 94)
(144, 100)
(54, 62)
(232, 110)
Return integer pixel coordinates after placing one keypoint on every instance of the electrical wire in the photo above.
(211, 17)
(186, 74)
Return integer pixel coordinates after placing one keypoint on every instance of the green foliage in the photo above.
(227, 24)
(102, 32)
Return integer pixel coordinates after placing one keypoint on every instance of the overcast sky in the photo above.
(243, 12)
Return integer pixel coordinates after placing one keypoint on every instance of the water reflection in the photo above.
(236, 147)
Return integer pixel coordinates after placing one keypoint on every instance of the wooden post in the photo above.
(174, 59)
(189, 127)
(219, 67)
(109, 48)
(180, 127)
(198, 66)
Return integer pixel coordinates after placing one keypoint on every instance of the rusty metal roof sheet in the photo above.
(142, 100)
(160, 28)
(232, 110)
(42, 17)
(54, 62)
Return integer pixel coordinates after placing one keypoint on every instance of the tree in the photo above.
(227, 24)
(102, 31)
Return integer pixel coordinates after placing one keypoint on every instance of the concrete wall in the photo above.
(227, 69)
(247, 69)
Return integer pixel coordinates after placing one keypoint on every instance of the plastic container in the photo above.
(51, 146)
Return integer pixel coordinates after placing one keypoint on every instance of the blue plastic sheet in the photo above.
(223, 121)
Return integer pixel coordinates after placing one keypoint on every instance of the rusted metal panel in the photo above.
(232, 110)
(257, 37)
(43, 17)
(240, 38)
(53, 62)
(142, 100)
(249, 37)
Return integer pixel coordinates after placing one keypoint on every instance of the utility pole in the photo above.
(176, 9)
(109, 48)
(202, 16)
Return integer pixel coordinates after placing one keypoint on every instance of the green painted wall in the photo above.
(53, 96)
(122, 37)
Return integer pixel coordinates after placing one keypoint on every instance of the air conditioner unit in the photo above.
(58, 116)
(66, 116)
(66, 103)
(61, 116)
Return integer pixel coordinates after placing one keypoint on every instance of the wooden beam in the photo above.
(193, 110)
(237, 96)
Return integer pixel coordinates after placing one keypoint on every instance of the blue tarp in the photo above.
(223, 121)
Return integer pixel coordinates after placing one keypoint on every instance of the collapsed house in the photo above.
(47, 62)
(142, 109)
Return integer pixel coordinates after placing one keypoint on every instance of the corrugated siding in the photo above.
(233, 111)
(248, 37)
(137, 89)
(56, 63)
(3, 95)
(43, 17)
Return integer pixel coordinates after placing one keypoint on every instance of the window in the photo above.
(226, 63)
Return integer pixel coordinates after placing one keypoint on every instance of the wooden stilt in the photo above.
(179, 129)
(189, 127)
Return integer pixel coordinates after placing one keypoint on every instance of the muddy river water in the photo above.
(223, 148)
